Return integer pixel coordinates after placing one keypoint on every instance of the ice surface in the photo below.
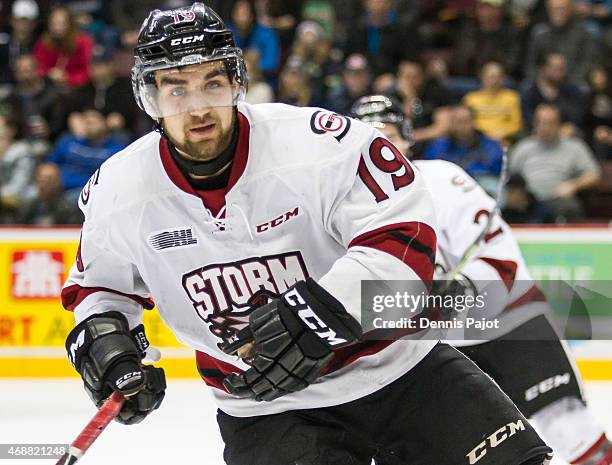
(182, 432)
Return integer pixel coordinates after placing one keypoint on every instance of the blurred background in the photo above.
(476, 77)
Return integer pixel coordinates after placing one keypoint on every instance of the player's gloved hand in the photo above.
(108, 355)
(293, 339)
(459, 286)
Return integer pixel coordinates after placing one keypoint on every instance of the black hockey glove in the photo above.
(461, 285)
(107, 356)
(294, 338)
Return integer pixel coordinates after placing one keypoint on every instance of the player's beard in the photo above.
(206, 149)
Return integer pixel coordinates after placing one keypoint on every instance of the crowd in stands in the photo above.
(477, 78)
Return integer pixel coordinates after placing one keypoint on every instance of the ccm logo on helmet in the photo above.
(187, 40)
(494, 440)
(296, 302)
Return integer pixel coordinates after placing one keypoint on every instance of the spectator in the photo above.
(347, 13)
(555, 168)
(20, 41)
(382, 37)
(16, 169)
(467, 147)
(356, 82)
(78, 157)
(597, 14)
(599, 112)
(259, 90)
(95, 18)
(41, 115)
(564, 33)
(63, 53)
(294, 85)
(322, 12)
(283, 16)
(250, 35)
(49, 205)
(521, 206)
(487, 37)
(527, 13)
(441, 18)
(552, 87)
(497, 108)
(313, 49)
(110, 94)
(603, 138)
(423, 100)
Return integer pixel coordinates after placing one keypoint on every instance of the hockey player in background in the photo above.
(525, 357)
(263, 220)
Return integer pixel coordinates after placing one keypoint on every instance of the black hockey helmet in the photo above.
(378, 110)
(180, 38)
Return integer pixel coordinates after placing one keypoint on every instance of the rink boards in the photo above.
(35, 262)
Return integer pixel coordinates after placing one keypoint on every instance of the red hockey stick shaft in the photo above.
(109, 410)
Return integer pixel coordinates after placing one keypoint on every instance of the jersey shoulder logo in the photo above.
(93, 181)
(172, 238)
(326, 122)
(465, 184)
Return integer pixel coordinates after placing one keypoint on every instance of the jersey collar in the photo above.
(238, 165)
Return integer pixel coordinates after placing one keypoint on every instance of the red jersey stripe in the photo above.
(413, 243)
(213, 370)
(73, 295)
(505, 268)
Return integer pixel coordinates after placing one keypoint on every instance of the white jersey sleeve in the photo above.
(103, 278)
(463, 209)
(382, 213)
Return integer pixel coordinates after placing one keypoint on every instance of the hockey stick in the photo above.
(473, 248)
(109, 410)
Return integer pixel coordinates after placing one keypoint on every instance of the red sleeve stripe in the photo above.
(347, 355)
(534, 294)
(413, 243)
(213, 370)
(505, 268)
(73, 295)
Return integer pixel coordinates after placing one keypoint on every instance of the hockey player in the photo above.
(526, 358)
(262, 220)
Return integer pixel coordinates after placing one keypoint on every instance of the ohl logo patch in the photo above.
(323, 122)
(163, 240)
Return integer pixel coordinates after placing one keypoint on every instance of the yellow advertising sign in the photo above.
(33, 324)
(31, 314)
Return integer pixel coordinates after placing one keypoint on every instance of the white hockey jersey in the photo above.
(311, 193)
(462, 209)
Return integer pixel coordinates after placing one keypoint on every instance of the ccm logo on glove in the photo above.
(128, 378)
(295, 301)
